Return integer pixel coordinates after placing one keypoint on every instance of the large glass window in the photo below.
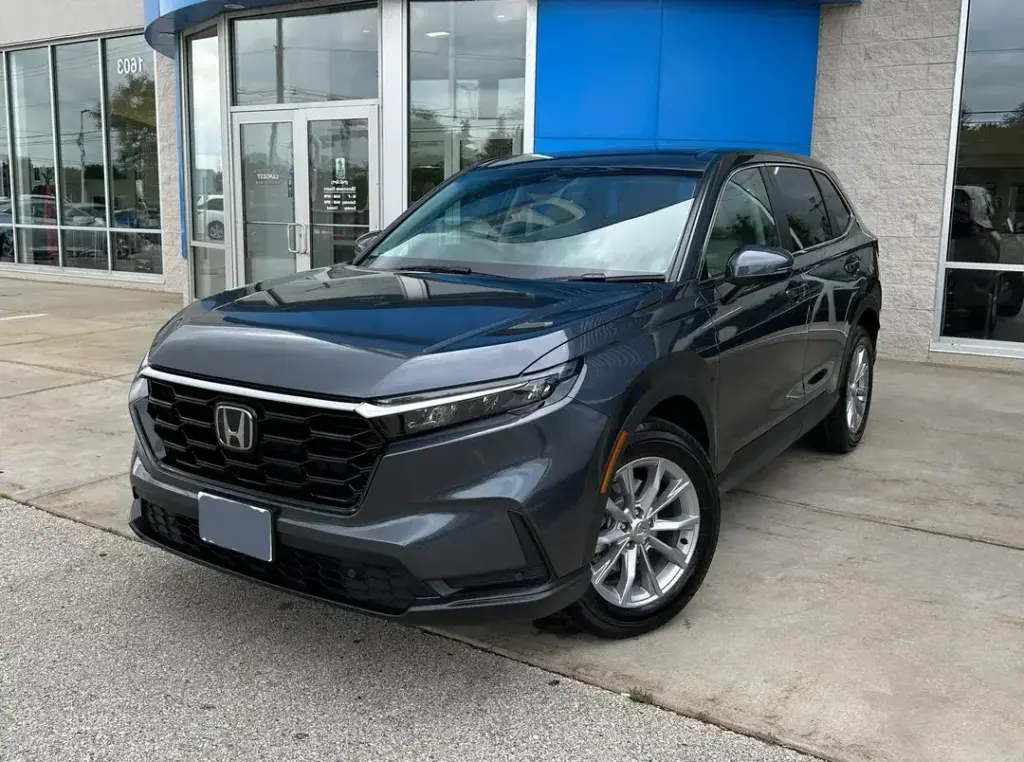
(207, 171)
(135, 176)
(82, 175)
(984, 275)
(6, 194)
(32, 142)
(467, 72)
(80, 159)
(320, 55)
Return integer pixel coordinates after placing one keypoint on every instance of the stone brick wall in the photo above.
(175, 266)
(883, 106)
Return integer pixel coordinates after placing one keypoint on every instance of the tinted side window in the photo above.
(837, 209)
(805, 208)
(743, 218)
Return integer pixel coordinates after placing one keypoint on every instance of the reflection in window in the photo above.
(207, 170)
(809, 224)
(986, 232)
(80, 132)
(322, 55)
(38, 246)
(208, 268)
(743, 217)
(34, 180)
(540, 222)
(6, 231)
(205, 126)
(467, 71)
(131, 121)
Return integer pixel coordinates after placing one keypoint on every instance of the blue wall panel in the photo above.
(665, 73)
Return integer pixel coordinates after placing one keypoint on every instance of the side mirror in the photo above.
(754, 265)
(365, 241)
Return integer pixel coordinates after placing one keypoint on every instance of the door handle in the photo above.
(852, 265)
(291, 239)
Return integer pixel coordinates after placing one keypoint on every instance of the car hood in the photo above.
(356, 333)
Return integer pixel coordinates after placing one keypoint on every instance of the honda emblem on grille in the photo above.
(236, 427)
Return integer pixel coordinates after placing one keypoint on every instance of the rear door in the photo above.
(760, 331)
(819, 222)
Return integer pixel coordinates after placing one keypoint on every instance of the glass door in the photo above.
(343, 193)
(267, 201)
(307, 186)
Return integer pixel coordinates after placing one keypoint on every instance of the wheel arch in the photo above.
(678, 389)
(868, 314)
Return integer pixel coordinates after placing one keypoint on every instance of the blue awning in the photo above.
(166, 18)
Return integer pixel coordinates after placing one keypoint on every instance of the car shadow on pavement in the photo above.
(236, 627)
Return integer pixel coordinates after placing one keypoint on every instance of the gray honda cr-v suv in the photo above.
(524, 396)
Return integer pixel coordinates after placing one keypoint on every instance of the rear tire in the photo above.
(843, 428)
(671, 548)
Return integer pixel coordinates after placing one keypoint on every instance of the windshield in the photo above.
(538, 222)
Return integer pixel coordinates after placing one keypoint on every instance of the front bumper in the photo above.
(461, 528)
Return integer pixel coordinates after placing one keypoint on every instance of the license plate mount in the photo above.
(236, 526)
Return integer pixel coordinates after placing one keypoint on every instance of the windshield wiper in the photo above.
(602, 278)
(453, 269)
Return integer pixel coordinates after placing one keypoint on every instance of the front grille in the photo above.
(303, 453)
(379, 585)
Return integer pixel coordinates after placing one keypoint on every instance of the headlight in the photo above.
(140, 389)
(419, 413)
(140, 386)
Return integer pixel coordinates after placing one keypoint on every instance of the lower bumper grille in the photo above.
(379, 585)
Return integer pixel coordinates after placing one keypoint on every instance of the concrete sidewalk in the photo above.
(869, 607)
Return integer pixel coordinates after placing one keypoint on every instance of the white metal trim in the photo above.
(281, 107)
(243, 391)
(69, 39)
(530, 85)
(11, 163)
(368, 410)
(234, 272)
(978, 348)
(951, 157)
(108, 176)
(51, 54)
(394, 109)
(83, 272)
(185, 76)
(999, 268)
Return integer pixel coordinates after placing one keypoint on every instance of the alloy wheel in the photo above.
(858, 387)
(647, 541)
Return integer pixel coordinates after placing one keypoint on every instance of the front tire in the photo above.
(660, 530)
(844, 426)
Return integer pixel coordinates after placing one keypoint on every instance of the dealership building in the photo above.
(193, 145)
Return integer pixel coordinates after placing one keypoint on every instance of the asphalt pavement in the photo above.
(110, 650)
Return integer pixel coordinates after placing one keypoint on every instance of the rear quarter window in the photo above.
(837, 210)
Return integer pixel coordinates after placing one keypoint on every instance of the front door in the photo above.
(306, 185)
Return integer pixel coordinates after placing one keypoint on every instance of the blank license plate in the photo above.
(236, 526)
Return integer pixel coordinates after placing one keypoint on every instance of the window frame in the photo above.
(781, 200)
(781, 227)
(842, 200)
